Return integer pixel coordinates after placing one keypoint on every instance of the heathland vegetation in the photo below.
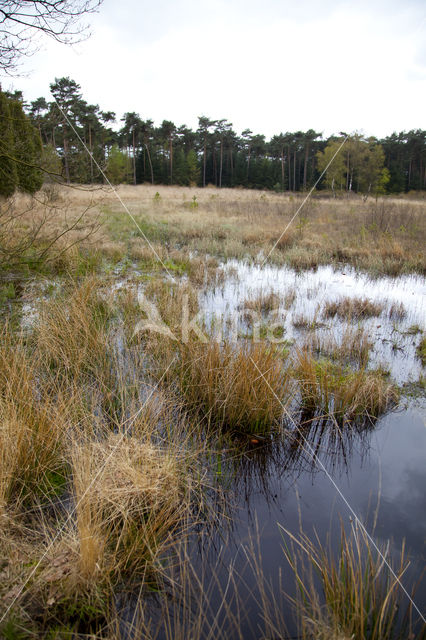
(114, 440)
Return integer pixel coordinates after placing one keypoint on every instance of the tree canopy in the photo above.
(169, 153)
(20, 149)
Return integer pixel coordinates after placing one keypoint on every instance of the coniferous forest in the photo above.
(39, 137)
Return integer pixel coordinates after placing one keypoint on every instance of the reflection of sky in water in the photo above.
(314, 288)
(384, 468)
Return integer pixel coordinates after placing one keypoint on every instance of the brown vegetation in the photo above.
(353, 308)
(384, 237)
(99, 468)
(333, 390)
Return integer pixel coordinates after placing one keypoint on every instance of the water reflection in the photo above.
(304, 294)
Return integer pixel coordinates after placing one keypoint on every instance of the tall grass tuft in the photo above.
(352, 346)
(33, 424)
(242, 387)
(333, 390)
(353, 308)
(352, 594)
(72, 335)
(129, 496)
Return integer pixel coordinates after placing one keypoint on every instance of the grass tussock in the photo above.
(239, 387)
(353, 308)
(421, 350)
(349, 595)
(397, 311)
(352, 346)
(333, 390)
(33, 426)
(263, 303)
(129, 496)
(71, 335)
(303, 322)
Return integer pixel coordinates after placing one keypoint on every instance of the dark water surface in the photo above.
(380, 469)
(382, 475)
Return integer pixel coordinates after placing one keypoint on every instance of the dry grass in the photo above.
(75, 432)
(352, 346)
(263, 303)
(386, 237)
(130, 496)
(224, 382)
(332, 390)
(357, 595)
(70, 390)
(302, 321)
(71, 335)
(397, 311)
(353, 308)
(289, 297)
(33, 425)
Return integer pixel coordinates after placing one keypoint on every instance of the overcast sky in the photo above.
(267, 65)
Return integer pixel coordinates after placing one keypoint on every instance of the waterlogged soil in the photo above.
(378, 473)
(271, 485)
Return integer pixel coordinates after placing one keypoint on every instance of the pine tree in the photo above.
(8, 173)
(117, 165)
(192, 168)
(26, 150)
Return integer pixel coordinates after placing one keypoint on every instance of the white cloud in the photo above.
(270, 68)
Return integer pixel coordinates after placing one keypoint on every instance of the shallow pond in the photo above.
(380, 471)
(381, 474)
(392, 335)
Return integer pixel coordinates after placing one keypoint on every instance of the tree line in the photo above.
(75, 139)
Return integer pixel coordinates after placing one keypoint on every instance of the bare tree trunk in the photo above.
(150, 163)
(347, 172)
(294, 170)
(134, 156)
(221, 165)
(214, 166)
(289, 168)
(305, 168)
(282, 168)
(204, 164)
(171, 159)
(66, 165)
(91, 154)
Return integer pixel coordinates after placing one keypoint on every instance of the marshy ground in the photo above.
(174, 481)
